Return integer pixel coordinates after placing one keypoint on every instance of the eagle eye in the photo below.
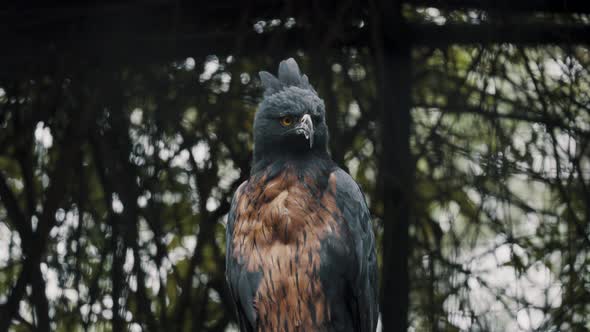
(286, 120)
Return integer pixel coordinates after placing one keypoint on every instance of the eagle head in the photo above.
(291, 117)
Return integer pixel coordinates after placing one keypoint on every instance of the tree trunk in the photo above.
(393, 53)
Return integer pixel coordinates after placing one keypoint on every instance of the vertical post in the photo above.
(393, 54)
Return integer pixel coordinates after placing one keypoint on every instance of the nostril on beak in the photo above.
(306, 119)
(307, 123)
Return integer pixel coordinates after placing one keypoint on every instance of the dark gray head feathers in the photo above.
(289, 75)
(289, 94)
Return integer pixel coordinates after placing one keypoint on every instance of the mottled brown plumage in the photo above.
(278, 230)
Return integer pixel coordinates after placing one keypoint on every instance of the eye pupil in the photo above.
(286, 121)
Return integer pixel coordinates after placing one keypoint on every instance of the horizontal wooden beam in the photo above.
(25, 51)
(525, 6)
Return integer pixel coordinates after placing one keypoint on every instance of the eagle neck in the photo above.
(314, 163)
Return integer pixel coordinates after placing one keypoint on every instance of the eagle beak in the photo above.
(305, 127)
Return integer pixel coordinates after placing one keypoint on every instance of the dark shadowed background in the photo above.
(125, 127)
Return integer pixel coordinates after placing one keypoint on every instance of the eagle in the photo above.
(300, 252)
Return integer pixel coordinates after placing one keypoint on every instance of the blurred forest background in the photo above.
(125, 127)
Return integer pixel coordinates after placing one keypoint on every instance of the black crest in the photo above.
(289, 75)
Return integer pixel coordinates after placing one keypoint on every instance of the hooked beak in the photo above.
(305, 128)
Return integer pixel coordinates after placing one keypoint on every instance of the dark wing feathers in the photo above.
(352, 204)
(242, 284)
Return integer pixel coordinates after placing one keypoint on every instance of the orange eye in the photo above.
(286, 121)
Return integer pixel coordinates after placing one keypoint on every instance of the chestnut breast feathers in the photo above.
(279, 228)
